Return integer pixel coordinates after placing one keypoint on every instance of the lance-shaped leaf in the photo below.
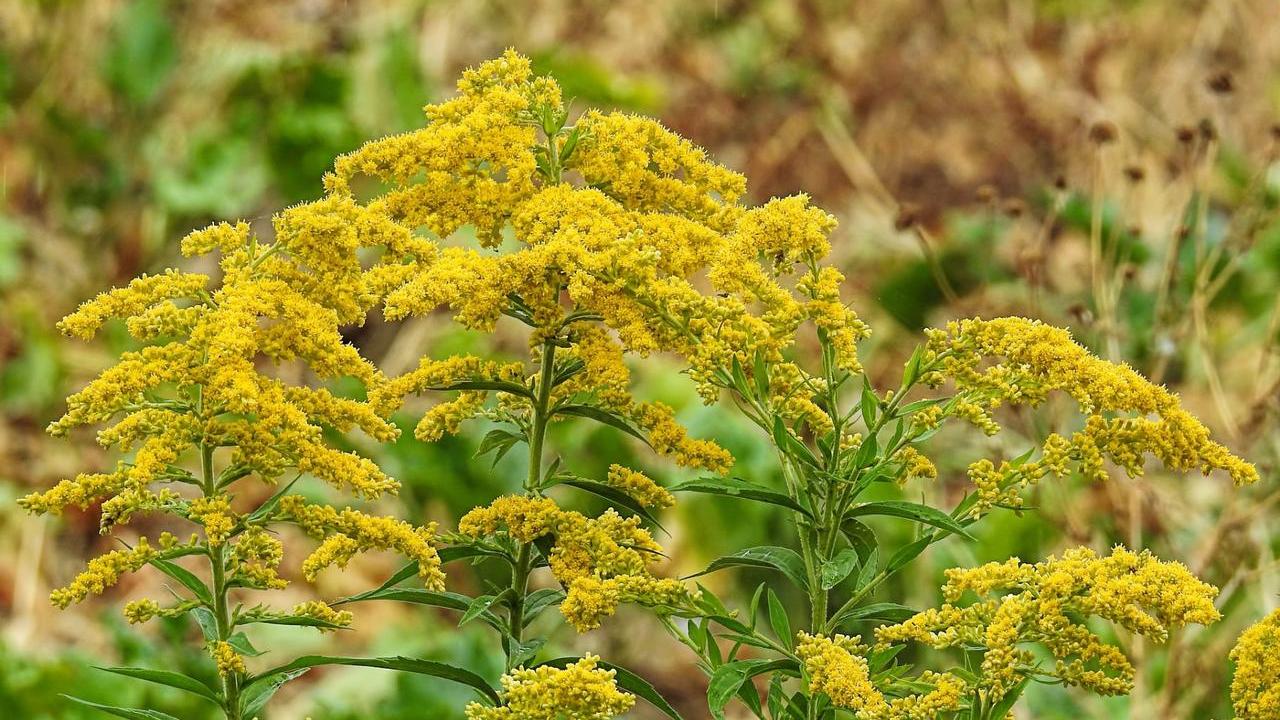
(257, 697)
(911, 511)
(885, 611)
(131, 713)
(739, 488)
(187, 578)
(728, 679)
(604, 417)
(164, 677)
(765, 556)
(403, 664)
(619, 498)
(441, 599)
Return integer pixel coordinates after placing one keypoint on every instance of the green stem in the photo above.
(533, 483)
(221, 608)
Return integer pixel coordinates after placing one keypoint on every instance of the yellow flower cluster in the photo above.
(317, 610)
(229, 661)
(348, 532)
(602, 562)
(1022, 604)
(1255, 688)
(104, 571)
(215, 514)
(474, 160)
(837, 668)
(640, 487)
(581, 691)
(1022, 361)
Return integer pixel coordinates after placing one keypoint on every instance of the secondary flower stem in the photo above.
(221, 611)
(537, 437)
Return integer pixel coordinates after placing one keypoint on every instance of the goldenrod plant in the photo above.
(610, 239)
(206, 421)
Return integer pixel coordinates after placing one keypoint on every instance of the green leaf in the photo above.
(241, 643)
(765, 556)
(442, 599)
(869, 569)
(911, 511)
(293, 620)
(861, 537)
(838, 568)
(907, 553)
(728, 679)
(787, 443)
(208, 625)
(1010, 699)
(628, 681)
(867, 403)
(523, 652)
(866, 452)
(164, 677)
(498, 440)
(265, 509)
(187, 578)
(734, 487)
(911, 371)
(257, 697)
(778, 620)
(123, 712)
(604, 417)
(885, 611)
(403, 664)
(540, 600)
(612, 494)
(479, 605)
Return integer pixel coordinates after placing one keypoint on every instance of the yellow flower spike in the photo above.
(1255, 687)
(1020, 604)
(1037, 359)
(835, 668)
(229, 661)
(580, 691)
(640, 487)
(348, 532)
(102, 572)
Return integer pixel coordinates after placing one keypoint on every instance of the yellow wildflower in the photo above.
(348, 532)
(228, 660)
(580, 691)
(1021, 604)
(102, 572)
(1255, 688)
(638, 485)
(836, 668)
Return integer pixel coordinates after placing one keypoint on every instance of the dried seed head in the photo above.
(1129, 271)
(908, 216)
(1014, 207)
(1060, 182)
(1134, 230)
(1135, 173)
(1186, 134)
(1275, 132)
(1184, 232)
(1221, 83)
(1208, 132)
(1103, 132)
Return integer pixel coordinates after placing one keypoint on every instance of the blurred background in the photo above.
(974, 151)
